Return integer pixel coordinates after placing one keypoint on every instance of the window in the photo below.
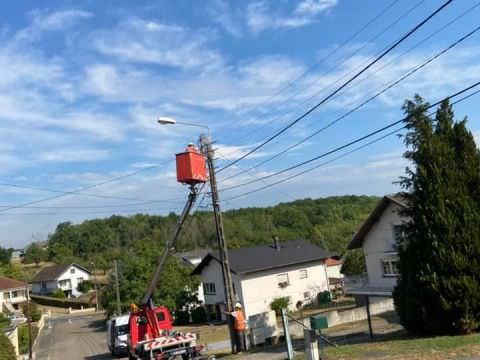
(389, 267)
(64, 283)
(14, 294)
(399, 232)
(303, 274)
(44, 285)
(306, 295)
(72, 271)
(209, 288)
(282, 280)
(79, 280)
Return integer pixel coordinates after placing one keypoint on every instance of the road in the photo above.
(80, 337)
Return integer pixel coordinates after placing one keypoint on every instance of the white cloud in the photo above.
(74, 155)
(43, 21)
(222, 12)
(141, 41)
(260, 16)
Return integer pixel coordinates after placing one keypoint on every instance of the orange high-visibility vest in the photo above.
(239, 323)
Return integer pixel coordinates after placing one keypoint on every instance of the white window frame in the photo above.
(209, 289)
(283, 280)
(389, 267)
(303, 274)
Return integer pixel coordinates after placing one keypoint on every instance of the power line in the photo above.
(78, 191)
(325, 99)
(364, 45)
(325, 58)
(137, 211)
(83, 207)
(371, 98)
(353, 142)
(345, 154)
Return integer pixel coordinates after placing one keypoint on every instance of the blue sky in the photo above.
(83, 82)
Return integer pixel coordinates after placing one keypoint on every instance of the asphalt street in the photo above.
(74, 338)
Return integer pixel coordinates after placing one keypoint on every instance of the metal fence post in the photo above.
(287, 334)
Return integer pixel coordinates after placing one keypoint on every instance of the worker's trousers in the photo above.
(240, 340)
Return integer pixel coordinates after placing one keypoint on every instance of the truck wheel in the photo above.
(131, 357)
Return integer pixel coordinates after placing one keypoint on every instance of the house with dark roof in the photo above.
(377, 238)
(294, 269)
(63, 277)
(12, 293)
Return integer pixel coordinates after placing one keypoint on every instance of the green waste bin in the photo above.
(318, 322)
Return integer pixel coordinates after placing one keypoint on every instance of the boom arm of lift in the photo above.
(147, 298)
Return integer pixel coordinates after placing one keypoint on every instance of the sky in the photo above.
(82, 84)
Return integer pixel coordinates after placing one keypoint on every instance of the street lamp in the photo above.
(207, 150)
(164, 120)
(95, 286)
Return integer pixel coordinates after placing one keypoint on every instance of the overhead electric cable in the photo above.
(349, 143)
(78, 191)
(322, 75)
(345, 154)
(377, 59)
(371, 98)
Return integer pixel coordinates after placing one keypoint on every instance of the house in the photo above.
(294, 269)
(335, 277)
(63, 277)
(377, 238)
(191, 259)
(12, 293)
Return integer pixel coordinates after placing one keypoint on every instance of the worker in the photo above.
(239, 327)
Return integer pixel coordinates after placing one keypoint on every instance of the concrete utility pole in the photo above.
(117, 287)
(95, 286)
(206, 147)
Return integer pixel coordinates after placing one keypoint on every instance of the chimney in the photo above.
(276, 243)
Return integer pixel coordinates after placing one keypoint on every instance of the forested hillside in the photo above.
(328, 222)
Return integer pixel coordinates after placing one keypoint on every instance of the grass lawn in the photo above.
(444, 347)
(208, 333)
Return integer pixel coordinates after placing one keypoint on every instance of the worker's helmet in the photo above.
(238, 306)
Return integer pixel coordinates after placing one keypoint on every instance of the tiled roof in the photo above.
(54, 272)
(7, 283)
(333, 262)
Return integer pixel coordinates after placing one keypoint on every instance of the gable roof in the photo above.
(187, 257)
(263, 257)
(333, 262)
(7, 283)
(358, 238)
(54, 272)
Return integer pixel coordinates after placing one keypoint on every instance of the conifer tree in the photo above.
(438, 291)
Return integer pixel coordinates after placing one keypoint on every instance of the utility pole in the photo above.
(29, 320)
(117, 287)
(95, 286)
(206, 147)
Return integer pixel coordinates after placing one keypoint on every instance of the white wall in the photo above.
(9, 298)
(67, 275)
(212, 273)
(260, 288)
(379, 244)
(1, 302)
(334, 271)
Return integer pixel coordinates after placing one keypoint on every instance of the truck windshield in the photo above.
(122, 330)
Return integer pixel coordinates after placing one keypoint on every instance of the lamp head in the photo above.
(166, 121)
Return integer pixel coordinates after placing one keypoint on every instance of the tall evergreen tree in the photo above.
(438, 291)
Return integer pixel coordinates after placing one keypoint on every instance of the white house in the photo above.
(294, 269)
(12, 293)
(377, 238)
(191, 259)
(64, 277)
(335, 277)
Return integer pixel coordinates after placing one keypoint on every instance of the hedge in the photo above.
(23, 342)
(63, 303)
(7, 352)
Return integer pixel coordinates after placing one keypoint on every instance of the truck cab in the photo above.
(117, 335)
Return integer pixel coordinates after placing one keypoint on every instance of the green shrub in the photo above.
(23, 342)
(182, 317)
(7, 352)
(35, 313)
(85, 286)
(324, 298)
(199, 315)
(4, 322)
(63, 303)
(279, 303)
(59, 294)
